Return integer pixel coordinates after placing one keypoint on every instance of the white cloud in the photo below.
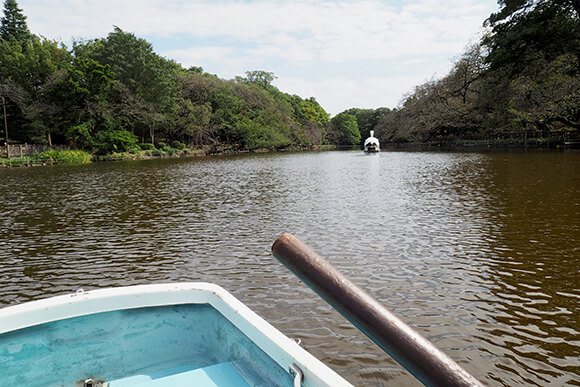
(339, 94)
(195, 55)
(328, 31)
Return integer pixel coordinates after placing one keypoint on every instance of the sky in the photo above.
(359, 53)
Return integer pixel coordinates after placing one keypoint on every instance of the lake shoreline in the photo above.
(221, 150)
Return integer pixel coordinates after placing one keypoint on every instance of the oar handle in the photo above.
(407, 347)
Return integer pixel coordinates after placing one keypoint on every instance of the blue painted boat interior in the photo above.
(154, 346)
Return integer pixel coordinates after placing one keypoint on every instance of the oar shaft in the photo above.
(407, 347)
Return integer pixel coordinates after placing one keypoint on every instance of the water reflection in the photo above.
(536, 283)
(479, 252)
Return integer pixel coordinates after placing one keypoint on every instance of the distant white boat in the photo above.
(372, 144)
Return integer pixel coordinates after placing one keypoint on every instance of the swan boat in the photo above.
(371, 144)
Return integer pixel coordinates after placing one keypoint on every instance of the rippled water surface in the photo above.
(478, 252)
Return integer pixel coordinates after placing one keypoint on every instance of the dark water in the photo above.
(478, 252)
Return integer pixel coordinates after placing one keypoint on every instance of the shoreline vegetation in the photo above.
(70, 156)
(114, 98)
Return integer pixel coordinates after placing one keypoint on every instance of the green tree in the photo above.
(115, 141)
(309, 110)
(367, 119)
(29, 78)
(249, 117)
(88, 97)
(389, 127)
(344, 129)
(227, 109)
(302, 119)
(258, 77)
(525, 29)
(149, 84)
(193, 120)
(312, 120)
(191, 123)
(547, 94)
(532, 74)
(13, 23)
(364, 119)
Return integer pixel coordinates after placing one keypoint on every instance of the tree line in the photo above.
(520, 81)
(110, 94)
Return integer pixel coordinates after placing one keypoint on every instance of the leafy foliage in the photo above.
(524, 30)
(146, 85)
(548, 93)
(258, 77)
(29, 79)
(367, 119)
(115, 141)
(344, 129)
(81, 136)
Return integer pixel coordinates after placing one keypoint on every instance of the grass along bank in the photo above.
(142, 151)
(56, 157)
(50, 157)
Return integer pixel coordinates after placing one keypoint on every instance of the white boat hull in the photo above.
(147, 333)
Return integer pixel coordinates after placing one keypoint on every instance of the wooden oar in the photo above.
(407, 347)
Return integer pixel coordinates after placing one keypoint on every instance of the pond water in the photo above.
(479, 252)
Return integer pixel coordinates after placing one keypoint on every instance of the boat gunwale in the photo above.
(279, 347)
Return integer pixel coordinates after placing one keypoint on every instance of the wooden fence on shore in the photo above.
(9, 151)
